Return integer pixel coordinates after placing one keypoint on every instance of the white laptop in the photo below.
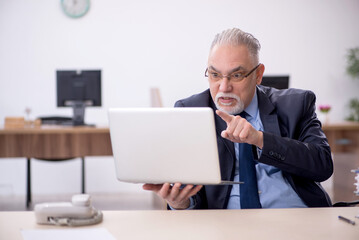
(165, 145)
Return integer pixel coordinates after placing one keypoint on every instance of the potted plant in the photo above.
(353, 71)
(324, 109)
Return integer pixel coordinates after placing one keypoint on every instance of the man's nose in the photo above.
(225, 85)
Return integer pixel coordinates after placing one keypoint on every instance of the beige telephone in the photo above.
(78, 212)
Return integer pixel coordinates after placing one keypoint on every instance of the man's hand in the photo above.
(176, 197)
(240, 130)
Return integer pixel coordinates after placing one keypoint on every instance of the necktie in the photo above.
(247, 173)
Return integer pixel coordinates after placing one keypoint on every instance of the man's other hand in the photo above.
(176, 197)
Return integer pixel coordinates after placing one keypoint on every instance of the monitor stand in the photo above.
(78, 107)
(79, 113)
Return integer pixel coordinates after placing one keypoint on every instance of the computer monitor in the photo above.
(279, 82)
(78, 89)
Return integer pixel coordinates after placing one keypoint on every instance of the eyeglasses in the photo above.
(235, 77)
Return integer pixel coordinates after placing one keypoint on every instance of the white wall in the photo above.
(141, 44)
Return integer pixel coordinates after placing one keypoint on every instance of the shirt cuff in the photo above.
(192, 204)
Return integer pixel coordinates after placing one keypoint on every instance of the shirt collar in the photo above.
(252, 108)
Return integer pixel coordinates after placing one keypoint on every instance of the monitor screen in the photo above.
(279, 82)
(78, 89)
(82, 86)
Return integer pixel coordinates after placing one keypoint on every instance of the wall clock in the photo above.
(75, 8)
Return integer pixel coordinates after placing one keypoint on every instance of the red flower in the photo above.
(324, 108)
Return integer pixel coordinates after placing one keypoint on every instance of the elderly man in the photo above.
(270, 139)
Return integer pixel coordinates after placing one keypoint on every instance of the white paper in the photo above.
(68, 234)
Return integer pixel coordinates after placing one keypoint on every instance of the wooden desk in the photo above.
(314, 223)
(343, 139)
(55, 142)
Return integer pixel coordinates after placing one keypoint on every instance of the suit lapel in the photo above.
(267, 113)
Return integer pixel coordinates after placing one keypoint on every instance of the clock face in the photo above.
(75, 8)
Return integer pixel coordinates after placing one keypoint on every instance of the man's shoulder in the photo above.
(286, 102)
(202, 99)
(284, 94)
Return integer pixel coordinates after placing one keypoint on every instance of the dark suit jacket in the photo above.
(293, 142)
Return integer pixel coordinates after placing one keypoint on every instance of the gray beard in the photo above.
(238, 108)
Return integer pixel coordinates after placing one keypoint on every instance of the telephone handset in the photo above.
(78, 212)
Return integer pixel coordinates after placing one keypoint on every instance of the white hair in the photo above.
(236, 37)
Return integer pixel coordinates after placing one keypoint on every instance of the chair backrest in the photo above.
(279, 82)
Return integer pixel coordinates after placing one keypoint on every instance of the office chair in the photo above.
(28, 180)
(279, 82)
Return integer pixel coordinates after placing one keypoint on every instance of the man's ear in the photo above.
(260, 72)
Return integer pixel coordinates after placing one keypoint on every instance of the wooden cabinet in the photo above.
(344, 142)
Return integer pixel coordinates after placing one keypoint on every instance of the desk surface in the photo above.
(310, 223)
(54, 129)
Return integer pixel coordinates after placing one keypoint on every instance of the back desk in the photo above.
(343, 139)
(55, 142)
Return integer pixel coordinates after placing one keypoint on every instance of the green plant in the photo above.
(354, 107)
(353, 62)
(353, 71)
